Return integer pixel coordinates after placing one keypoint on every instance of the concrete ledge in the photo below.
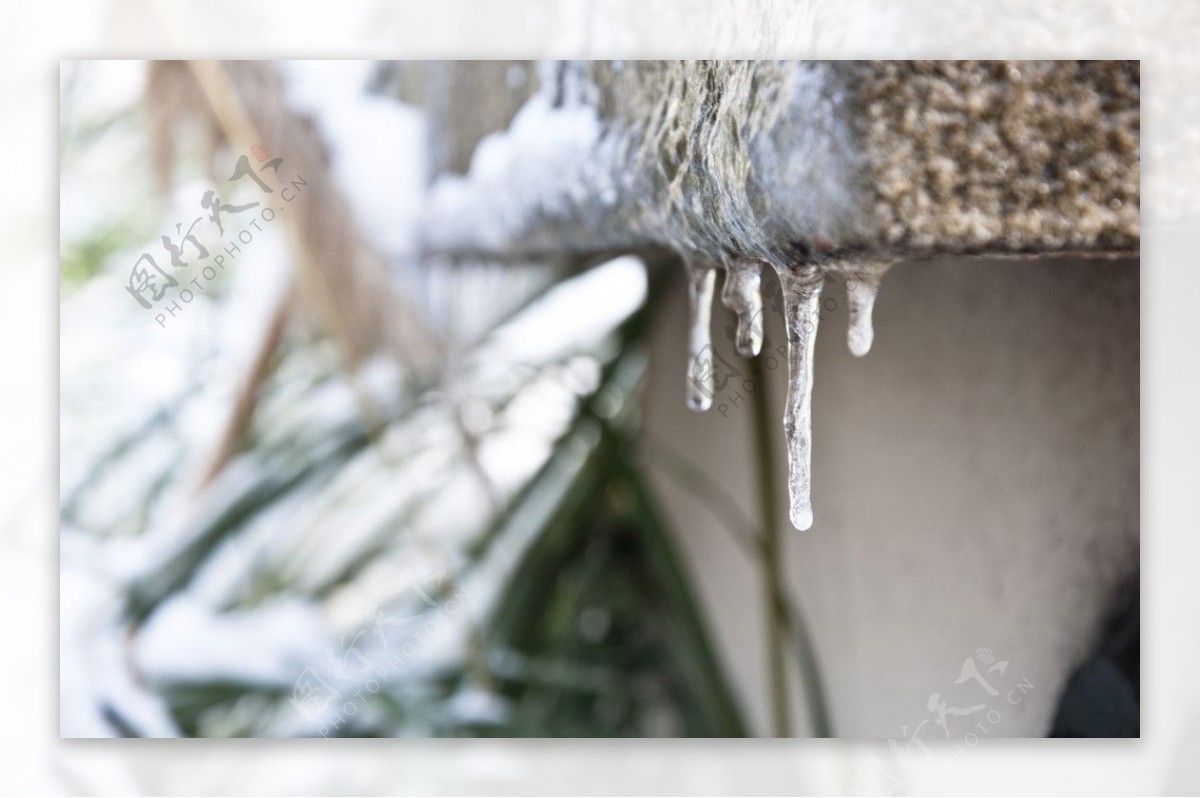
(792, 162)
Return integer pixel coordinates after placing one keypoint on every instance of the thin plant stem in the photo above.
(712, 495)
(772, 564)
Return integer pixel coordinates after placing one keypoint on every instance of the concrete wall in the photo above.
(976, 483)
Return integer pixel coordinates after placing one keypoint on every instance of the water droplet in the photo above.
(801, 288)
(742, 294)
(702, 284)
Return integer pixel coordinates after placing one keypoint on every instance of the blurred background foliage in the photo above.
(349, 490)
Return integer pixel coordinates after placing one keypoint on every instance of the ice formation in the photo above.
(862, 286)
(801, 287)
(743, 295)
(702, 283)
(819, 169)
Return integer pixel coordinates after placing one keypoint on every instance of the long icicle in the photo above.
(862, 286)
(801, 287)
(742, 293)
(702, 283)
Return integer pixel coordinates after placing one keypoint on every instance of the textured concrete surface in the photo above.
(1036, 155)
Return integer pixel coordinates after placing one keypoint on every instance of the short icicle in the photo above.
(862, 286)
(702, 283)
(742, 294)
(801, 287)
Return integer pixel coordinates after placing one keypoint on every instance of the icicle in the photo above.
(862, 286)
(702, 284)
(743, 295)
(801, 288)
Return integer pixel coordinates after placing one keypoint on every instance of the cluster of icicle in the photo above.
(801, 288)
